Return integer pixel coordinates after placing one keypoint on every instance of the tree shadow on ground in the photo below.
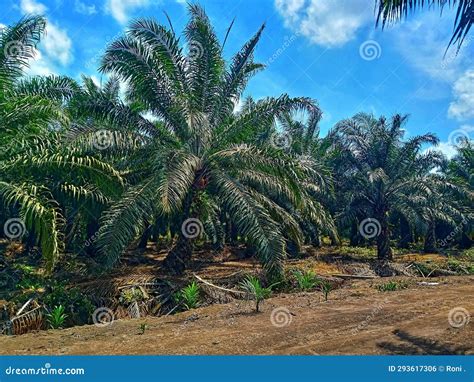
(418, 345)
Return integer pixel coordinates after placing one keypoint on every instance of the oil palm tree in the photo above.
(394, 10)
(384, 174)
(36, 170)
(298, 134)
(198, 159)
(460, 172)
(461, 168)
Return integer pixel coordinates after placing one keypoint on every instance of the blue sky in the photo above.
(325, 49)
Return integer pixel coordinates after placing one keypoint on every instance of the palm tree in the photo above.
(198, 160)
(385, 175)
(394, 10)
(36, 171)
(460, 172)
(461, 168)
(300, 138)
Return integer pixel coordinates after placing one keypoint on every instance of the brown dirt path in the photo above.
(358, 319)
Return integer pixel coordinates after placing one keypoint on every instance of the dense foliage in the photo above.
(92, 171)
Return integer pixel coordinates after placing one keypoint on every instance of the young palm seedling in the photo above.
(142, 328)
(391, 286)
(255, 291)
(189, 296)
(306, 280)
(57, 317)
(326, 288)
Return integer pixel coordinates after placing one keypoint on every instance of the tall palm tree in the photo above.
(460, 172)
(300, 138)
(384, 174)
(36, 171)
(394, 10)
(198, 159)
(461, 168)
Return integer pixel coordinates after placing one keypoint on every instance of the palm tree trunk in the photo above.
(292, 249)
(316, 238)
(355, 237)
(145, 237)
(406, 235)
(430, 238)
(179, 257)
(384, 252)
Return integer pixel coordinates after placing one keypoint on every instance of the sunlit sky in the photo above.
(325, 49)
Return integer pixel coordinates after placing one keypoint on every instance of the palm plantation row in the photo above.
(93, 171)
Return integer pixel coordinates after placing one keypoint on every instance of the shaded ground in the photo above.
(357, 319)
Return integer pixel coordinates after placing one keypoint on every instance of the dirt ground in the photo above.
(357, 319)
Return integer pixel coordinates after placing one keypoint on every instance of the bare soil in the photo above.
(357, 319)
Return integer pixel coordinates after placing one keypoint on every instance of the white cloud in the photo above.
(446, 148)
(41, 66)
(84, 9)
(326, 22)
(57, 44)
(449, 147)
(31, 6)
(96, 81)
(238, 104)
(150, 117)
(55, 47)
(422, 42)
(120, 9)
(462, 107)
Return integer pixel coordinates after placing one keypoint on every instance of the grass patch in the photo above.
(392, 286)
